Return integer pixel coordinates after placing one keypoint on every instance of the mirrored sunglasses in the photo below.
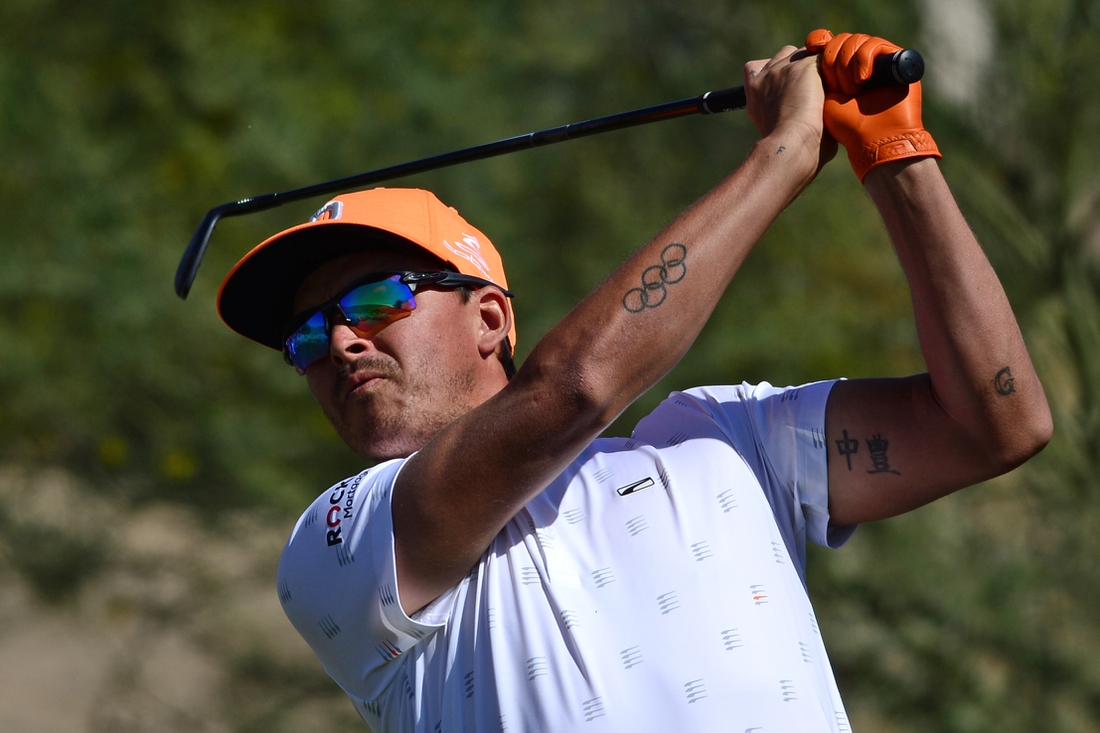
(366, 306)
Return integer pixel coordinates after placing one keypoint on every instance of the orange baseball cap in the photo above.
(257, 296)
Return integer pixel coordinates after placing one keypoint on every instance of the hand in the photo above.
(876, 126)
(785, 94)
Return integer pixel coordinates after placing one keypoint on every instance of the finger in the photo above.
(849, 82)
(864, 59)
(752, 69)
(802, 53)
(828, 61)
(782, 55)
(817, 40)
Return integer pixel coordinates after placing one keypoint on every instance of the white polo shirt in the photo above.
(656, 585)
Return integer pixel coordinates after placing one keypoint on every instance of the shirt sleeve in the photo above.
(337, 582)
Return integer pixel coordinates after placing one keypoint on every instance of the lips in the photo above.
(359, 376)
(359, 379)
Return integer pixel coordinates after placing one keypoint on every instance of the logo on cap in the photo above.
(470, 249)
(331, 210)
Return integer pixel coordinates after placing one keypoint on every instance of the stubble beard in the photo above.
(398, 416)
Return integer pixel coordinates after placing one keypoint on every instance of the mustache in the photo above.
(373, 364)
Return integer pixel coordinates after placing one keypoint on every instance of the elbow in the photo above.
(1039, 433)
(1043, 429)
(1023, 438)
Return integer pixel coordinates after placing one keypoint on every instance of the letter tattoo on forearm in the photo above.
(1004, 383)
(655, 278)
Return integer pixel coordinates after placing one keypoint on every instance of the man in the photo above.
(504, 569)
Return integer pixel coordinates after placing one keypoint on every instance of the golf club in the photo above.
(902, 67)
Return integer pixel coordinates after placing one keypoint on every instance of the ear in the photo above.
(495, 319)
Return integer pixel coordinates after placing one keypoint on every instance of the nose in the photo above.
(345, 345)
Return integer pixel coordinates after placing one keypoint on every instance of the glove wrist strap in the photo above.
(914, 144)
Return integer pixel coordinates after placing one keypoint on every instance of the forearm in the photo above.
(625, 336)
(980, 371)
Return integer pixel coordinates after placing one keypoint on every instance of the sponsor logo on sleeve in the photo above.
(341, 505)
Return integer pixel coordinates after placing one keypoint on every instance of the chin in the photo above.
(383, 445)
(390, 436)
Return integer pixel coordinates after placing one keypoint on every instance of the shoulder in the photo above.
(738, 410)
(337, 583)
(716, 397)
(326, 527)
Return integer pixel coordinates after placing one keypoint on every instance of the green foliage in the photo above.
(121, 123)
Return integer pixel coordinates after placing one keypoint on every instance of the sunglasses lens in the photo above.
(309, 343)
(371, 307)
(368, 309)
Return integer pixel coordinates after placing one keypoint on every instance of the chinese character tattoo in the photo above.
(847, 447)
(876, 446)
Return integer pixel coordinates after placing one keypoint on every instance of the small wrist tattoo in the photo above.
(656, 278)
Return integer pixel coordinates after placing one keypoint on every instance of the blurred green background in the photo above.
(152, 462)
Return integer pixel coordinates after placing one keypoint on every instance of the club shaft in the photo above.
(709, 103)
(902, 67)
(667, 111)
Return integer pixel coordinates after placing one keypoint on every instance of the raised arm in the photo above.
(456, 494)
(895, 444)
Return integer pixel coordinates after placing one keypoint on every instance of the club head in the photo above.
(196, 248)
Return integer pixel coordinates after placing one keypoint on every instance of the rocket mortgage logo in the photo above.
(341, 501)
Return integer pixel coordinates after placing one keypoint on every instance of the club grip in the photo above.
(722, 100)
(901, 67)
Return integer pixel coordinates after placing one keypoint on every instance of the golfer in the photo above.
(505, 569)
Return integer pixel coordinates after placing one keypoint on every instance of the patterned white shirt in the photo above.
(657, 584)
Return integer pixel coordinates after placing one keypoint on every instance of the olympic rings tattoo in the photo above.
(654, 279)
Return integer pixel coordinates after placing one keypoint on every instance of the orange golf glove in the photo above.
(874, 126)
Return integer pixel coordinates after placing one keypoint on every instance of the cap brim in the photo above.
(257, 297)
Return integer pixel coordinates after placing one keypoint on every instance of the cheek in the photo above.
(320, 379)
(433, 349)
(447, 327)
